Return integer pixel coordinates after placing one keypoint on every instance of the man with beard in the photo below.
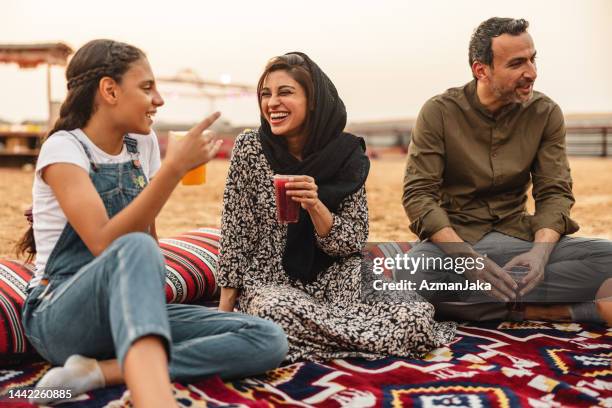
(474, 153)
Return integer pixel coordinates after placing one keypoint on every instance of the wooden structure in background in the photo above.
(204, 88)
(21, 144)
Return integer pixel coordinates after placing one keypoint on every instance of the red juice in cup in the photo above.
(287, 210)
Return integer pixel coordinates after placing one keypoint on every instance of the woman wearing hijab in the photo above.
(306, 276)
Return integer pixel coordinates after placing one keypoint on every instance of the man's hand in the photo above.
(503, 286)
(536, 261)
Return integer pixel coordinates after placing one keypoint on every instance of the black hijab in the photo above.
(335, 159)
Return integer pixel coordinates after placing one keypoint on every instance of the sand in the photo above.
(200, 206)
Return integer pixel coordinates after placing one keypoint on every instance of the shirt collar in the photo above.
(472, 97)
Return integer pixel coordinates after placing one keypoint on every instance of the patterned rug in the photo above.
(496, 365)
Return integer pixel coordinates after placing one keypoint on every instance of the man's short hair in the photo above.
(480, 43)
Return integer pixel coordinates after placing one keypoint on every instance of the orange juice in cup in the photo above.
(193, 177)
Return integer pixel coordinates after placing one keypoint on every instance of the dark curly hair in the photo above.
(92, 62)
(480, 43)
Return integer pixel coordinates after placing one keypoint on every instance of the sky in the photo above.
(386, 57)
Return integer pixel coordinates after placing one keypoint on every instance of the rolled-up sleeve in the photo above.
(552, 181)
(424, 171)
(349, 230)
(238, 227)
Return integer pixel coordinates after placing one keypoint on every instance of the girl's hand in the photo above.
(197, 147)
(303, 189)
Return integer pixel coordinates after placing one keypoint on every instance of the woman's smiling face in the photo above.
(283, 104)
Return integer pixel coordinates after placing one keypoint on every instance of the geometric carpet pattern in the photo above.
(488, 365)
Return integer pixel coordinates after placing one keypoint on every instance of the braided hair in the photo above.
(92, 62)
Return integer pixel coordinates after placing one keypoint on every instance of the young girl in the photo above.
(98, 290)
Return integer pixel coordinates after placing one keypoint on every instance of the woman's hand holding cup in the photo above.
(303, 190)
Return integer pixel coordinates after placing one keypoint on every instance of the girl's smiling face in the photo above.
(138, 98)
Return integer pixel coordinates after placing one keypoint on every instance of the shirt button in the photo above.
(494, 154)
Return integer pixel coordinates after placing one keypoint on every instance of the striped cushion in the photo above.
(14, 278)
(191, 265)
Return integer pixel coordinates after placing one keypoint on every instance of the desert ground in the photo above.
(199, 206)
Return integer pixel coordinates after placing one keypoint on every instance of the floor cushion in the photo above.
(191, 267)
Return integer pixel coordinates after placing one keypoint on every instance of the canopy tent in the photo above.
(33, 55)
(211, 90)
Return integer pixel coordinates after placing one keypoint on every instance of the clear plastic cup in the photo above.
(518, 272)
(287, 210)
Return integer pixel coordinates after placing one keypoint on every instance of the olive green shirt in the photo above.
(471, 170)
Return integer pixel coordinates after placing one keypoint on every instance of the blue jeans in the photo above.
(118, 298)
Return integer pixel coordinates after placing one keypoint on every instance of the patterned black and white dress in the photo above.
(326, 319)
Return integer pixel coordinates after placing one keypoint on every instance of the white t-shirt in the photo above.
(61, 147)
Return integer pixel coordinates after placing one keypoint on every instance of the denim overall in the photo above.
(98, 306)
